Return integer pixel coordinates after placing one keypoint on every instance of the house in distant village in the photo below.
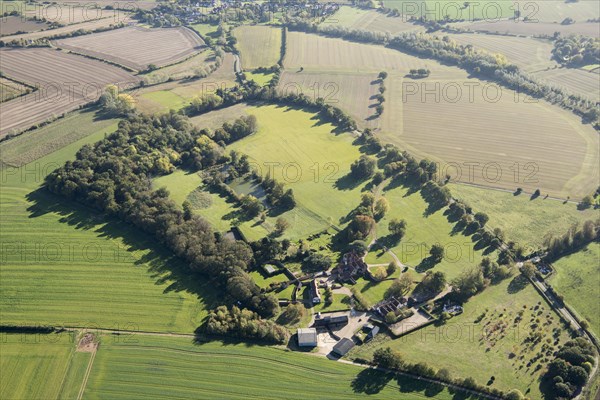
(351, 267)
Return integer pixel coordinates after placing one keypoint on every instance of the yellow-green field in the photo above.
(351, 92)
(260, 46)
(577, 278)
(40, 366)
(63, 265)
(523, 220)
(422, 231)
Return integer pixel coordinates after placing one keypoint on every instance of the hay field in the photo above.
(9, 89)
(523, 220)
(168, 368)
(494, 10)
(577, 278)
(65, 82)
(40, 142)
(531, 28)
(66, 266)
(68, 13)
(88, 25)
(318, 53)
(349, 91)
(13, 24)
(137, 47)
(573, 81)
(516, 144)
(260, 46)
(529, 54)
(370, 20)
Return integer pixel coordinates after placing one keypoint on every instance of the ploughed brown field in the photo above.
(64, 82)
(87, 25)
(136, 47)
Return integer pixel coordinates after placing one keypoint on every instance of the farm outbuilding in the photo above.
(343, 347)
(307, 337)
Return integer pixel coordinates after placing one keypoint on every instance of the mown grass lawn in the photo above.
(577, 278)
(167, 368)
(65, 265)
(487, 334)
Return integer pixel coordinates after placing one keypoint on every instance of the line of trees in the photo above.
(114, 177)
(245, 324)
(570, 370)
(572, 240)
(391, 359)
(477, 62)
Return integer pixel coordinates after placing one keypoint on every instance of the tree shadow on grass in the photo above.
(164, 267)
(371, 381)
(347, 182)
(517, 284)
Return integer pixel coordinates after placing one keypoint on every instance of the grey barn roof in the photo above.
(343, 347)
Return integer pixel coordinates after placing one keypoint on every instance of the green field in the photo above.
(206, 29)
(307, 157)
(468, 348)
(37, 143)
(168, 368)
(421, 233)
(260, 46)
(63, 265)
(439, 9)
(577, 278)
(262, 79)
(36, 366)
(523, 220)
(167, 99)
(313, 159)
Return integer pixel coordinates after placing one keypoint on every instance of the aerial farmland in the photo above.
(300, 200)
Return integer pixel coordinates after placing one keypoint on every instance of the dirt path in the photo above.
(87, 374)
